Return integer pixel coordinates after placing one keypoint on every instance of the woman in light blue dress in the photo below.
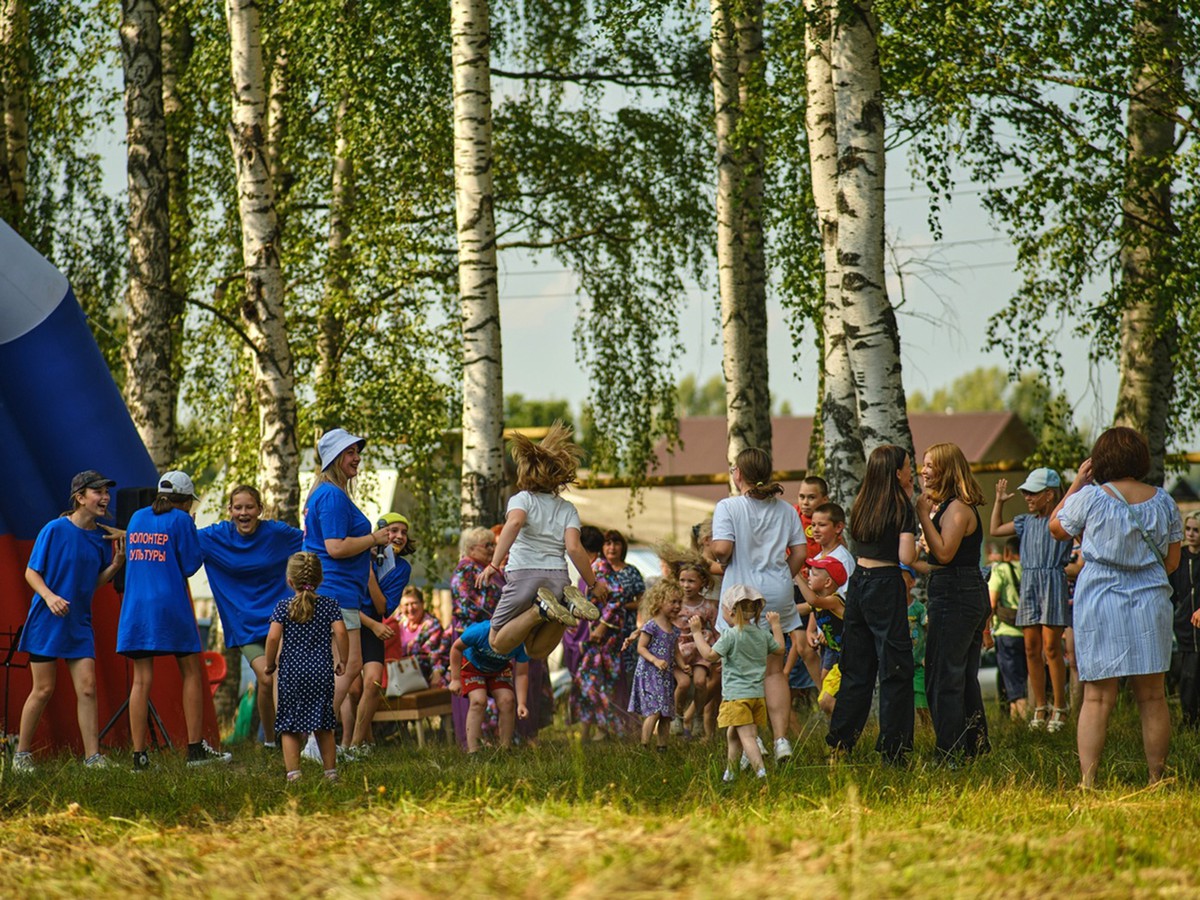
(1131, 534)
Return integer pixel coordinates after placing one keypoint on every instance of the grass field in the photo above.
(609, 819)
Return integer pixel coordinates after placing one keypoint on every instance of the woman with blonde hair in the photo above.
(958, 604)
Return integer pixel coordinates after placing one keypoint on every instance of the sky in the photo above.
(966, 278)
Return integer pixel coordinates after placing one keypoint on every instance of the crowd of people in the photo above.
(895, 598)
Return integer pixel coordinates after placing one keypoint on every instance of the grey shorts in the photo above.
(352, 618)
(521, 587)
(251, 652)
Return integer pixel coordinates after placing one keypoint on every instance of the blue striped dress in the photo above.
(1122, 597)
(1043, 581)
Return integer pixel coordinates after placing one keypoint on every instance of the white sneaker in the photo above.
(761, 773)
(97, 761)
(552, 610)
(783, 749)
(729, 776)
(23, 762)
(580, 606)
(677, 725)
(311, 750)
(762, 750)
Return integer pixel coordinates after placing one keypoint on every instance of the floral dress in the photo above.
(654, 689)
(599, 664)
(428, 645)
(630, 585)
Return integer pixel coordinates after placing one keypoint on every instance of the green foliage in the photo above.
(522, 413)
(706, 399)
(1039, 91)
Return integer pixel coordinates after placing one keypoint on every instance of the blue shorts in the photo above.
(1010, 660)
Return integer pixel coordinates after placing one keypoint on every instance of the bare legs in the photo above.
(1044, 649)
(741, 739)
(353, 668)
(653, 724)
(291, 750)
(529, 628)
(778, 692)
(372, 675)
(506, 706)
(1099, 698)
(264, 694)
(191, 670)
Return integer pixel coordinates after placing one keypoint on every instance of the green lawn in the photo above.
(563, 819)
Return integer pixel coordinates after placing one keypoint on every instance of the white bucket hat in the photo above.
(333, 442)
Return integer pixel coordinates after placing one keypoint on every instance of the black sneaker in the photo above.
(202, 754)
(141, 760)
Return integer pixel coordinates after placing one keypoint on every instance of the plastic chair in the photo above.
(215, 667)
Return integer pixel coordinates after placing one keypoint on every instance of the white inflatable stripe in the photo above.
(30, 287)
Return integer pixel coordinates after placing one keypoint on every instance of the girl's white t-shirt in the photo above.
(761, 531)
(539, 543)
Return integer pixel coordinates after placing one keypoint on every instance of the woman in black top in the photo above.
(957, 603)
(875, 635)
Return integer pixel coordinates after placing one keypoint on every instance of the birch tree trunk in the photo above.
(872, 338)
(149, 388)
(176, 53)
(1148, 335)
(843, 450)
(263, 306)
(277, 98)
(14, 89)
(332, 318)
(735, 50)
(483, 386)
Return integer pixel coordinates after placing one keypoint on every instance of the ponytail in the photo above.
(755, 466)
(304, 574)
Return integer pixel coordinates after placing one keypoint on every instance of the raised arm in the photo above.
(997, 526)
(696, 624)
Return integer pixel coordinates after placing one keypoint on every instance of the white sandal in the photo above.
(1058, 718)
(1037, 724)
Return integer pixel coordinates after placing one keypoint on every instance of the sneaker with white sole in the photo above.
(783, 749)
(762, 751)
(677, 726)
(552, 610)
(311, 750)
(728, 776)
(580, 606)
(202, 754)
(23, 762)
(97, 761)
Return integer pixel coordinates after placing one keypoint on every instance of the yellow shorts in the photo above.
(833, 681)
(752, 711)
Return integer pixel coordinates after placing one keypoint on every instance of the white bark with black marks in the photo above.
(149, 387)
(14, 110)
(263, 306)
(736, 54)
(872, 337)
(483, 386)
(842, 450)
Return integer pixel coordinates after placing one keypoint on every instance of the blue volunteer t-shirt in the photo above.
(69, 559)
(247, 574)
(161, 551)
(330, 514)
(396, 574)
(480, 654)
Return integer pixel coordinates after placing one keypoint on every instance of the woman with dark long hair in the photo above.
(876, 642)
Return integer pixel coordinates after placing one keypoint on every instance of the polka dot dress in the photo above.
(306, 669)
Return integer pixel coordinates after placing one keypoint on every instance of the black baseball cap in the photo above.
(90, 479)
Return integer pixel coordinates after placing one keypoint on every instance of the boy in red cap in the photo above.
(827, 577)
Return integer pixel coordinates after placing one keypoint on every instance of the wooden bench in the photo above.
(415, 707)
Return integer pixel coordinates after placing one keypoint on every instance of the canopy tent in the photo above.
(61, 413)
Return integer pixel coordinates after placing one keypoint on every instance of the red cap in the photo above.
(833, 566)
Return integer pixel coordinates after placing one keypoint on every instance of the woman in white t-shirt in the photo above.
(759, 540)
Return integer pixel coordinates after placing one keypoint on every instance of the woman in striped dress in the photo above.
(1122, 616)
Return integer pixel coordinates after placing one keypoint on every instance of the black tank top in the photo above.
(970, 547)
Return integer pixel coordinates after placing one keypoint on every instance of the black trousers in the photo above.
(875, 645)
(958, 608)
(1189, 687)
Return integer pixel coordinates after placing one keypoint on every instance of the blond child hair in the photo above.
(304, 574)
(549, 466)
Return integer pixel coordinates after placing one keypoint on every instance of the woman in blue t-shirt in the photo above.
(157, 618)
(337, 531)
(69, 561)
(245, 558)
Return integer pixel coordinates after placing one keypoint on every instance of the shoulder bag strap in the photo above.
(1113, 492)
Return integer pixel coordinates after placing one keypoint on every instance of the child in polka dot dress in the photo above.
(303, 625)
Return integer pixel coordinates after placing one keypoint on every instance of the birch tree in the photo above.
(843, 450)
(872, 337)
(262, 307)
(483, 389)
(1148, 338)
(736, 51)
(14, 92)
(149, 392)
